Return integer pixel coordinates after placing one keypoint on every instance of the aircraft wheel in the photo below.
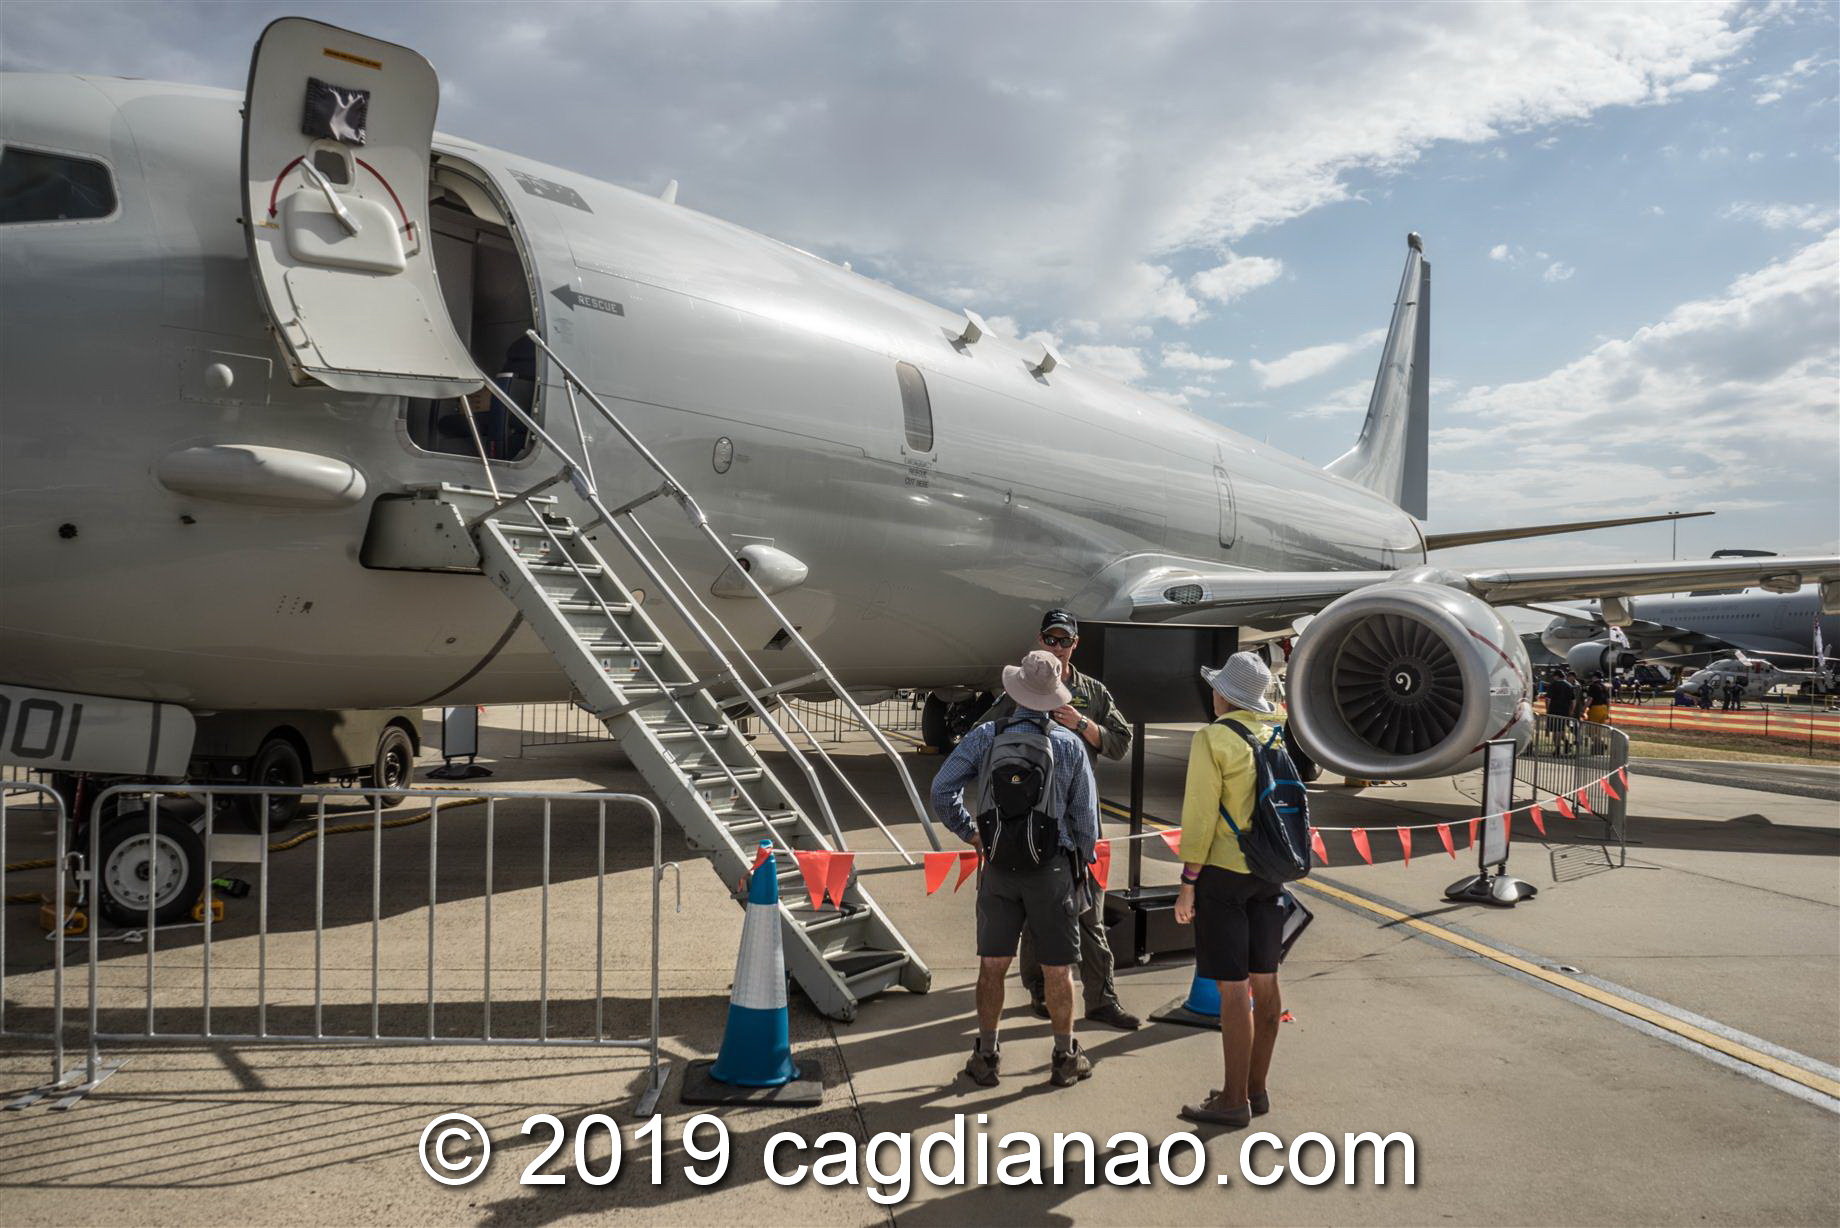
(395, 764)
(942, 724)
(126, 870)
(278, 765)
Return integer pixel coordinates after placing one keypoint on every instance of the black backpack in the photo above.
(1276, 839)
(1018, 806)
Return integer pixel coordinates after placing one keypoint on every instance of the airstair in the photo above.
(674, 725)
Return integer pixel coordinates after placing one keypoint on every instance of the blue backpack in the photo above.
(1276, 838)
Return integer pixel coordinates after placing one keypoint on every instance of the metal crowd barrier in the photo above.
(146, 868)
(829, 721)
(1568, 755)
(53, 1035)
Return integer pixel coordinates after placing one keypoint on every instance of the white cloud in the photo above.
(980, 147)
(1350, 400)
(1181, 358)
(1558, 270)
(1123, 363)
(1196, 390)
(1812, 218)
(1499, 252)
(1236, 276)
(1727, 399)
(1299, 365)
(1773, 87)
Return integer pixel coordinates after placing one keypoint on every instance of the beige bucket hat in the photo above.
(1244, 681)
(1036, 682)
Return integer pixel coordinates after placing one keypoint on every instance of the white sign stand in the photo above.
(1495, 888)
(459, 736)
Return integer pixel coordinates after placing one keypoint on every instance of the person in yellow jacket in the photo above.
(1238, 919)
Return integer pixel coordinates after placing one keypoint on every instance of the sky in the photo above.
(1630, 211)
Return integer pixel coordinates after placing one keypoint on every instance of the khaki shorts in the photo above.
(1044, 900)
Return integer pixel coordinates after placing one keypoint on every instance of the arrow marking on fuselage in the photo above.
(575, 298)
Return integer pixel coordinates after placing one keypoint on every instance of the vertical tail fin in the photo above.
(1390, 456)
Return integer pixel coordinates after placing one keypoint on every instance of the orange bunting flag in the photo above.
(1172, 836)
(1507, 826)
(1473, 825)
(1533, 812)
(1560, 805)
(967, 862)
(1316, 842)
(937, 866)
(815, 869)
(1359, 836)
(1610, 789)
(1102, 862)
(838, 880)
(760, 855)
(1444, 835)
(1622, 774)
(1582, 803)
(1405, 842)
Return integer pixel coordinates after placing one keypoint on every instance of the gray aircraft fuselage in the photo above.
(927, 568)
(1754, 621)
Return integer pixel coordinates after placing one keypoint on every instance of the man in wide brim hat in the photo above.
(1040, 897)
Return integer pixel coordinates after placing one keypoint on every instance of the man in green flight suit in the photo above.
(1096, 720)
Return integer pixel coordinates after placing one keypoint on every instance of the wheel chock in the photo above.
(75, 925)
(217, 910)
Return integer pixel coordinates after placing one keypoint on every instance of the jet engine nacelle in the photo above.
(1408, 679)
(1596, 656)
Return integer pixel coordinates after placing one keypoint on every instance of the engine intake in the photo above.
(1408, 679)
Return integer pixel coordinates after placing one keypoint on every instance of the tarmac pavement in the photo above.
(1529, 1100)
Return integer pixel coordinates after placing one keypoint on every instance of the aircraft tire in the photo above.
(395, 764)
(124, 866)
(277, 763)
(942, 724)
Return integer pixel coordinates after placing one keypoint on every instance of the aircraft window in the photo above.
(916, 407)
(43, 187)
(331, 163)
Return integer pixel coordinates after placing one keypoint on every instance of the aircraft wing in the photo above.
(1257, 598)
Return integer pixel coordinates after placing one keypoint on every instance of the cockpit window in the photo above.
(46, 187)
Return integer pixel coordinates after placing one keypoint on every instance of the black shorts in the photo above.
(1239, 924)
(1045, 900)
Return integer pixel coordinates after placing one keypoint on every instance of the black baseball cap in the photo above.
(1062, 619)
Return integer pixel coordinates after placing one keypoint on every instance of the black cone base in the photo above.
(804, 1091)
(1177, 1012)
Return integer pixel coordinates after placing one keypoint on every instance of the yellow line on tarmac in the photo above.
(1711, 1040)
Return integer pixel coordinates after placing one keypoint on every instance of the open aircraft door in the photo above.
(336, 136)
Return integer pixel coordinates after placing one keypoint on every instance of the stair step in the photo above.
(644, 648)
(565, 529)
(567, 569)
(856, 967)
(618, 609)
(701, 777)
(684, 733)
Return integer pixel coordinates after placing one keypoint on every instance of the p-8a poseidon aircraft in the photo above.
(245, 344)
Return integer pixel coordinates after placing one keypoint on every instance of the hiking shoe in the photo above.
(1070, 1067)
(1260, 1103)
(1217, 1112)
(983, 1066)
(1113, 1015)
(1039, 1005)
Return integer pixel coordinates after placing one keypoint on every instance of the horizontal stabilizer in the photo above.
(1444, 541)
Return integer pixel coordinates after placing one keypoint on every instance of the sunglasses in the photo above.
(1058, 641)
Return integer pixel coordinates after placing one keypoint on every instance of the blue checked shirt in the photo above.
(1079, 826)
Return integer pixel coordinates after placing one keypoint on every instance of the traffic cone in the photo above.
(755, 1062)
(1201, 1009)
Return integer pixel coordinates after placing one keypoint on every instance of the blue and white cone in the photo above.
(1200, 1009)
(757, 1046)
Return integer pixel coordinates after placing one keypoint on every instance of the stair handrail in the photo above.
(700, 521)
(676, 704)
(580, 479)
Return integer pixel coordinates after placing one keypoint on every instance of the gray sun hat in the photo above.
(1243, 681)
(1036, 683)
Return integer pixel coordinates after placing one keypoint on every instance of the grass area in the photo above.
(1699, 744)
